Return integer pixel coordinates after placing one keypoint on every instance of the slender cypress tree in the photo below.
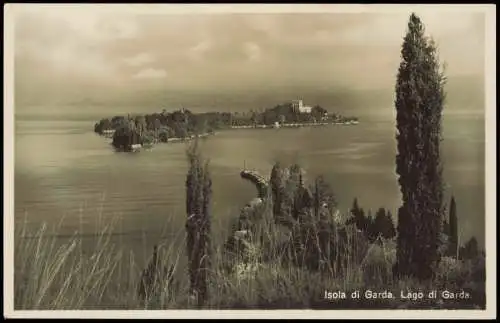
(198, 207)
(453, 228)
(419, 103)
(446, 228)
(380, 224)
(316, 199)
(205, 233)
(276, 189)
(470, 250)
(359, 218)
(391, 230)
(355, 206)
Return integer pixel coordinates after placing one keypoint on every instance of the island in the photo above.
(133, 132)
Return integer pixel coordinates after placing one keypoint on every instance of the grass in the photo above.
(54, 274)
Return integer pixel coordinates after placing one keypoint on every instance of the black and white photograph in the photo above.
(213, 159)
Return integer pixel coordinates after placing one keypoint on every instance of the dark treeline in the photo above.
(319, 240)
(382, 225)
(160, 127)
(302, 225)
(287, 113)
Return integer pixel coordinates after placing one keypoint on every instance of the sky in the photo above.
(74, 58)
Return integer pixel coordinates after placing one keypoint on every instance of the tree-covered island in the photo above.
(135, 131)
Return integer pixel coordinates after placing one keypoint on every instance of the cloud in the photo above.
(252, 51)
(151, 73)
(66, 42)
(121, 28)
(390, 28)
(84, 22)
(198, 51)
(69, 57)
(139, 59)
(62, 48)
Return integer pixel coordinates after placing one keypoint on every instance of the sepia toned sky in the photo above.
(78, 55)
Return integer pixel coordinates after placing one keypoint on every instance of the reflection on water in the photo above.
(62, 169)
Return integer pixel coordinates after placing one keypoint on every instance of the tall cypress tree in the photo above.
(380, 226)
(419, 103)
(446, 228)
(198, 207)
(355, 206)
(453, 228)
(277, 189)
(316, 199)
(390, 229)
(358, 217)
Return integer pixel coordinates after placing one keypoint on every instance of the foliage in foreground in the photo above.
(50, 275)
(303, 254)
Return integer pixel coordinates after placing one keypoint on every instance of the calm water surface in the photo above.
(66, 174)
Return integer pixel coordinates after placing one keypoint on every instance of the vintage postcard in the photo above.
(218, 161)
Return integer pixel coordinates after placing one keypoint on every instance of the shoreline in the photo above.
(174, 140)
(296, 125)
(192, 137)
(108, 133)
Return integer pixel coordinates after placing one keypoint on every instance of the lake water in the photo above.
(63, 171)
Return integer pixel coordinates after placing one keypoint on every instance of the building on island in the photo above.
(135, 147)
(299, 107)
(108, 132)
